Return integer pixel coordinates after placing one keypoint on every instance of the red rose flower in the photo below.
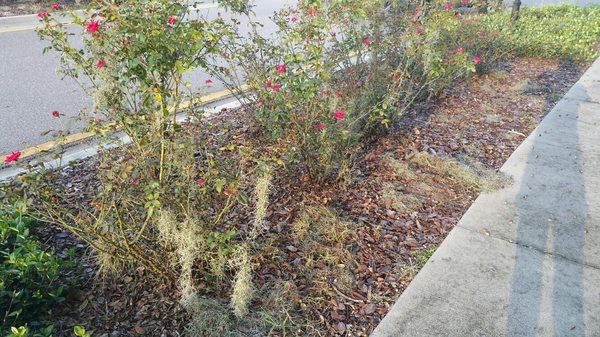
(100, 64)
(200, 181)
(464, 2)
(12, 157)
(54, 7)
(208, 82)
(418, 31)
(42, 15)
(171, 20)
(55, 114)
(476, 59)
(312, 12)
(339, 114)
(447, 6)
(294, 19)
(458, 50)
(319, 126)
(415, 15)
(134, 181)
(366, 41)
(280, 69)
(275, 87)
(93, 26)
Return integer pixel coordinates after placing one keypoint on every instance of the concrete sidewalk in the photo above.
(524, 260)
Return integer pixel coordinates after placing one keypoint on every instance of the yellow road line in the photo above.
(77, 137)
(17, 29)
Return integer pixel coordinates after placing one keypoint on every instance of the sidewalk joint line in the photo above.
(534, 248)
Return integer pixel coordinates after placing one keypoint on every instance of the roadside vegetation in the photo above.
(308, 210)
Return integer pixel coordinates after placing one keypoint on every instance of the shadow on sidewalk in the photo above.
(550, 217)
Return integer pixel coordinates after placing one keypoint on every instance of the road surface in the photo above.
(30, 89)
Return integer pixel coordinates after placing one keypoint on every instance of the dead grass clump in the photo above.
(242, 284)
(398, 200)
(470, 174)
(322, 240)
(261, 199)
(210, 318)
(183, 237)
(108, 262)
(401, 169)
(417, 259)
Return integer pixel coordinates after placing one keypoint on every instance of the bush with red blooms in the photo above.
(338, 71)
(132, 64)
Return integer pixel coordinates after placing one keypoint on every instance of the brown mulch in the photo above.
(23, 7)
(483, 119)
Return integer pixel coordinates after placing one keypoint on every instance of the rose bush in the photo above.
(165, 196)
(338, 71)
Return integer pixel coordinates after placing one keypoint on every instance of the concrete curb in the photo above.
(524, 260)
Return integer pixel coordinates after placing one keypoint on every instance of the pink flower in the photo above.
(276, 87)
(418, 31)
(481, 35)
(268, 84)
(476, 59)
(464, 2)
(312, 12)
(93, 26)
(12, 157)
(294, 19)
(415, 15)
(171, 20)
(200, 181)
(458, 50)
(134, 181)
(54, 7)
(339, 114)
(208, 82)
(42, 15)
(280, 69)
(447, 6)
(55, 114)
(319, 126)
(366, 41)
(100, 64)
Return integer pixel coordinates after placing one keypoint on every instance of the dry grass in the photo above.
(469, 173)
(261, 199)
(242, 284)
(417, 259)
(400, 168)
(183, 237)
(322, 238)
(398, 200)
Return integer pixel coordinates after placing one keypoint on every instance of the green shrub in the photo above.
(563, 31)
(30, 278)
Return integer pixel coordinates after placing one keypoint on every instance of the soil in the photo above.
(406, 191)
(23, 7)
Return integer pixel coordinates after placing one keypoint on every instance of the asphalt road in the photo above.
(30, 89)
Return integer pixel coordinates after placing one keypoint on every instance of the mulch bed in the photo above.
(23, 7)
(482, 120)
